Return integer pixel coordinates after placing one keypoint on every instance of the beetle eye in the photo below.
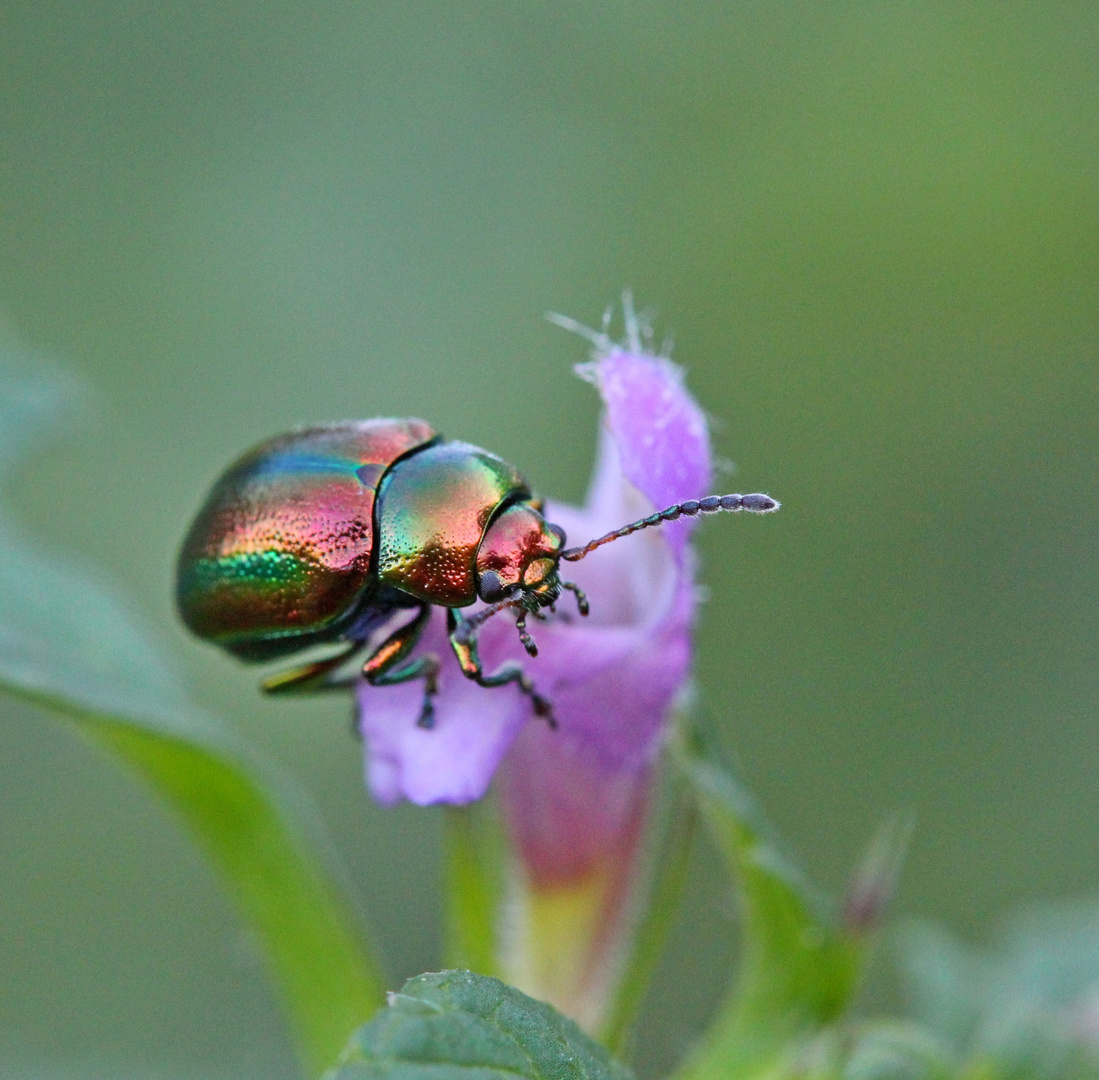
(491, 587)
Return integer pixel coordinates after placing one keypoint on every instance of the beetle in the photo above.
(323, 535)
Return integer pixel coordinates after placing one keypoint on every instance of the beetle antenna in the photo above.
(712, 504)
(581, 596)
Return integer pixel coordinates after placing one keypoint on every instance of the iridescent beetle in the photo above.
(323, 535)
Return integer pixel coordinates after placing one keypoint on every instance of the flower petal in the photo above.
(454, 761)
(572, 796)
(659, 430)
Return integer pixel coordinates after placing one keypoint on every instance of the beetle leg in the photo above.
(313, 676)
(464, 645)
(383, 666)
(524, 637)
(581, 596)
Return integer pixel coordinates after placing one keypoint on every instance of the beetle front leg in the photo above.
(464, 644)
(384, 668)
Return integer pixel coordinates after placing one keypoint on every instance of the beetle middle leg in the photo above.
(464, 645)
(384, 666)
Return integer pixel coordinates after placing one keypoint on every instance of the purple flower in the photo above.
(573, 800)
(611, 677)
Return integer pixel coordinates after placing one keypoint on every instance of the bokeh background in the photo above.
(872, 229)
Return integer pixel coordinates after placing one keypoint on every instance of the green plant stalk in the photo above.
(651, 933)
(799, 968)
(473, 873)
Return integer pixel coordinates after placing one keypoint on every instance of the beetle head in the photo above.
(518, 556)
(520, 553)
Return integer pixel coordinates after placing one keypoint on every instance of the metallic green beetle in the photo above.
(325, 534)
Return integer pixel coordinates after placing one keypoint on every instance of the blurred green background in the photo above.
(873, 230)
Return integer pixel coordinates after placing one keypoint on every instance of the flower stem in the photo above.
(669, 881)
(473, 860)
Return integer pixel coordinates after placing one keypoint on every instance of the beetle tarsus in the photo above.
(525, 639)
(427, 713)
(431, 688)
(543, 708)
(581, 597)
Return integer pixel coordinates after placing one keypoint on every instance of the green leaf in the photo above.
(799, 966)
(67, 644)
(897, 1050)
(455, 1025)
(1028, 1006)
(944, 982)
